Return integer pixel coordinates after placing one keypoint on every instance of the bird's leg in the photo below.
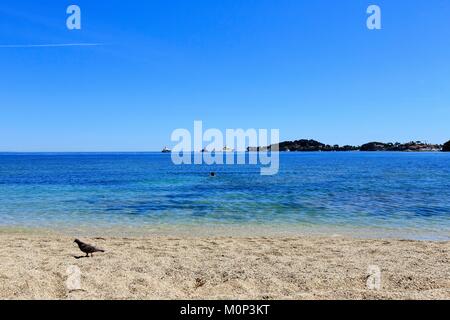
(87, 255)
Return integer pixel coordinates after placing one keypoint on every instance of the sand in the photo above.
(36, 267)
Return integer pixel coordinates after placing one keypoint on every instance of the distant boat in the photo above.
(166, 150)
(225, 149)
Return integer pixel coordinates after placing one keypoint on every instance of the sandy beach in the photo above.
(36, 266)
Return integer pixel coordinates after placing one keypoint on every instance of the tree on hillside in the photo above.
(446, 146)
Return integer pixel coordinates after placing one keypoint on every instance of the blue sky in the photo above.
(310, 68)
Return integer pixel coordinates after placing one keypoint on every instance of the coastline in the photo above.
(233, 230)
(34, 266)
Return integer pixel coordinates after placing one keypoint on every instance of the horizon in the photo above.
(193, 151)
(134, 74)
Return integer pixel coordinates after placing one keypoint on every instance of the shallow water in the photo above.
(404, 195)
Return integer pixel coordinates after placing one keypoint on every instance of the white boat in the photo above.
(166, 150)
(227, 150)
(224, 150)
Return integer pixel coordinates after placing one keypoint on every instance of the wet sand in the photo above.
(37, 266)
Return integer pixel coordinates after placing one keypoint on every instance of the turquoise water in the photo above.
(405, 195)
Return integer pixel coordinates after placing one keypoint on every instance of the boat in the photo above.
(166, 150)
(224, 150)
(227, 150)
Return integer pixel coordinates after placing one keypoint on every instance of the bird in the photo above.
(87, 248)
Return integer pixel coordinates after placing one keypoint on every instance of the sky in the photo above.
(138, 70)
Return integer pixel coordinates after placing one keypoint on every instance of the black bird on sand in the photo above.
(87, 248)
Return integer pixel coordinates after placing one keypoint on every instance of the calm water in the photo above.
(404, 195)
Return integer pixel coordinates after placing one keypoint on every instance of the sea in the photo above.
(369, 195)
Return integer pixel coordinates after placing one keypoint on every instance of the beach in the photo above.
(37, 266)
